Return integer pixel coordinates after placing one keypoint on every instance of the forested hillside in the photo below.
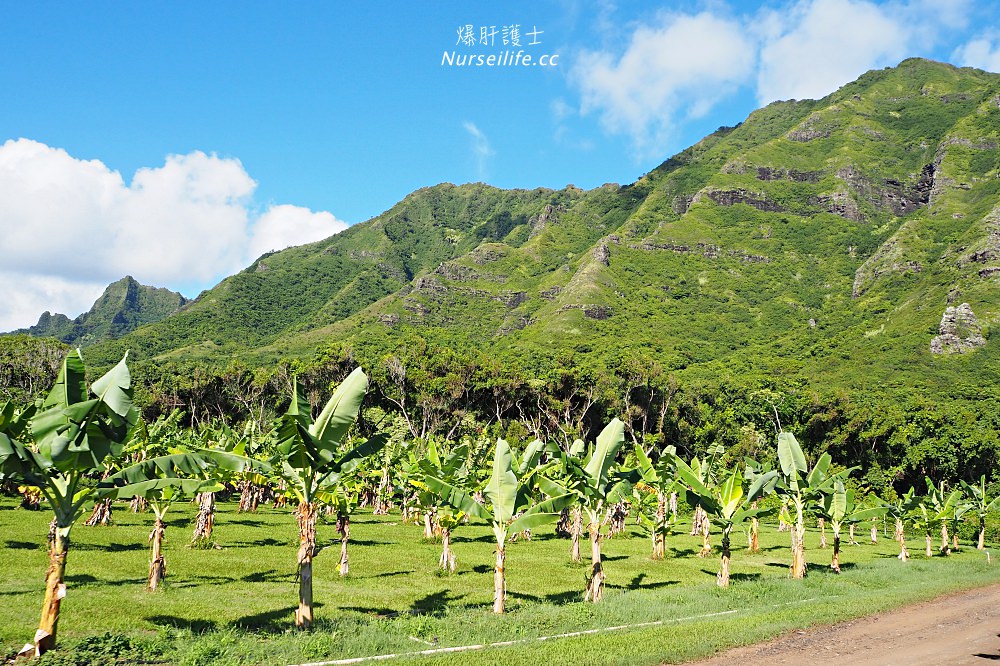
(834, 264)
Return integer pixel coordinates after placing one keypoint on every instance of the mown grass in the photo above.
(235, 604)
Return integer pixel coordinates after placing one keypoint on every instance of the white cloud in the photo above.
(68, 227)
(824, 44)
(482, 151)
(982, 52)
(674, 70)
(285, 225)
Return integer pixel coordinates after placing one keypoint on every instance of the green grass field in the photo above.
(235, 604)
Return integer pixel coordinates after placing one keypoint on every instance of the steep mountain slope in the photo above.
(123, 307)
(824, 238)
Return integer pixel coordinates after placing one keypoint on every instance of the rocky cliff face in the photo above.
(959, 332)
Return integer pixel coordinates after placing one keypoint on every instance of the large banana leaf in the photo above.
(730, 495)
(458, 498)
(341, 410)
(790, 455)
(609, 442)
(542, 513)
(502, 487)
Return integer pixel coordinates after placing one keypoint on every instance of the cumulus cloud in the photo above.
(285, 225)
(682, 65)
(482, 151)
(671, 71)
(982, 52)
(68, 227)
(823, 44)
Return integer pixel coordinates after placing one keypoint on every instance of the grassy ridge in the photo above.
(235, 604)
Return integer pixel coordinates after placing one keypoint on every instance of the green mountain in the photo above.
(852, 240)
(123, 307)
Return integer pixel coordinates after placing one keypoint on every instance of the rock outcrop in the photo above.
(959, 332)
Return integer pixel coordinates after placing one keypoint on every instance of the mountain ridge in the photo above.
(817, 234)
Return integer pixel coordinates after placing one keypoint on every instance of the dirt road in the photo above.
(962, 628)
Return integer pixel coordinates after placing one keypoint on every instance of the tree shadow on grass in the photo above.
(613, 558)
(567, 597)
(744, 577)
(364, 542)
(272, 622)
(87, 579)
(262, 542)
(383, 575)
(481, 569)
(194, 625)
(269, 576)
(23, 545)
(686, 552)
(435, 603)
(637, 583)
(379, 612)
(486, 538)
(110, 547)
(249, 522)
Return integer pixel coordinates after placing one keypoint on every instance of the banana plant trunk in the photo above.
(799, 546)
(944, 538)
(306, 516)
(499, 575)
(874, 530)
(101, 514)
(138, 504)
(706, 538)
(344, 529)
(927, 541)
(447, 561)
(722, 579)
(835, 564)
(576, 531)
(428, 525)
(822, 533)
(901, 538)
(205, 521)
(982, 536)
(595, 585)
(954, 540)
(55, 590)
(754, 545)
(158, 562)
(660, 528)
(852, 540)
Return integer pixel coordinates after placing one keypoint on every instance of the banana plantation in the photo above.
(84, 454)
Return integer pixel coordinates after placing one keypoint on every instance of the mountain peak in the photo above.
(124, 306)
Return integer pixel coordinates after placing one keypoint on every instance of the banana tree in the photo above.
(753, 469)
(310, 458)
(727, 504)
(590, 478)
(508, 506)
(980, 506)
(661, 479)
(936, 508)
(452, 468)
(707, 469)
(58, 446)
(837, 506)
(898, 511)
(161, 482)
(799, 486)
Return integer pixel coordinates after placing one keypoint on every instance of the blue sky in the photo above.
(178, 141)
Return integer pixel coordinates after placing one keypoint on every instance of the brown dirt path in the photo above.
(960, 628)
